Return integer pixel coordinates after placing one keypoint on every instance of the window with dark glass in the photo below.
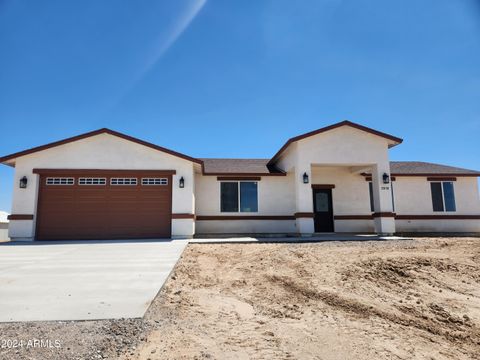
(239, 196)
(370, 189)
(229, 196)
(443, 196)
(449, 196)
(248, 197)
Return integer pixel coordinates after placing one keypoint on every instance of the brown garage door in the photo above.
(104, 205)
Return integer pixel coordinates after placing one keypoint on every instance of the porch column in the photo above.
(382, 199)
(303, 202)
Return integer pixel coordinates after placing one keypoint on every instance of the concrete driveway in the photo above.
(83, 280)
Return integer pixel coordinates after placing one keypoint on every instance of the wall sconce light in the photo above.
(386, 178)
(181, 183)
(23, 182)
(305, 178)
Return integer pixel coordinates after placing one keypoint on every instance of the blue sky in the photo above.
(221, 78)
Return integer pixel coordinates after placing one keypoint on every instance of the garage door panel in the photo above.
(103, 211)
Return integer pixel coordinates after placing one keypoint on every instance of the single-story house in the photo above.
(108, 185)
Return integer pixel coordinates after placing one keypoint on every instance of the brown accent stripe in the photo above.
(353, 217)
(20, 217)
(303, 215)
(183, 216)
(383, 214)
(102, 171)
(98, 132)
(253, 178)
(437, 217)
(441, 179)
(245, 217)
(323, 186)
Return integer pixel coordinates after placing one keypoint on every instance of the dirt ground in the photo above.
(415, 299)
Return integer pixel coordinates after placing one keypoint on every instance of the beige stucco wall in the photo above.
(102, 151)
(438, 226)
(413, 197)
(275, 197)
(246, 227)
(350, 196)
(346, 147)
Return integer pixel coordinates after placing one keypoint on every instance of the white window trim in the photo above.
(131, 181)
(96, 178)
(163, 181)
(66, 178)
(239, 205)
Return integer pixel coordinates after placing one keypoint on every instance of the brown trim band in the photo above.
(232, 178)
(183, 216)
(245, 217)
(20, 217)
(353, 217)
(323, 186)
(437, 217)
(441, 179)
(303, 215)
(103, 171)
(383, 214)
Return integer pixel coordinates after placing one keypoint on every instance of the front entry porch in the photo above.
(340, 198)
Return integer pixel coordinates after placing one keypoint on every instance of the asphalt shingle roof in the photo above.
(419, 167)
(235, 166)
(259, 166)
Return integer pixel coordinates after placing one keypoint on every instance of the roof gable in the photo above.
(13, 156)
(394, 139)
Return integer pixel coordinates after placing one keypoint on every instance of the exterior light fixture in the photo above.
(305, 178)
(23, 182)
(386, 178)
(181, 183)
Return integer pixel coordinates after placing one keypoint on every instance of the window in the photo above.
(60, 181)
(229, 197)
(370, 189)
(123, 181)
(154, 181)
(239, 196)
(92, 181)
(248, 197)
(443, 196)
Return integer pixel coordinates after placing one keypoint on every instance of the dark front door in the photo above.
(323, 210)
